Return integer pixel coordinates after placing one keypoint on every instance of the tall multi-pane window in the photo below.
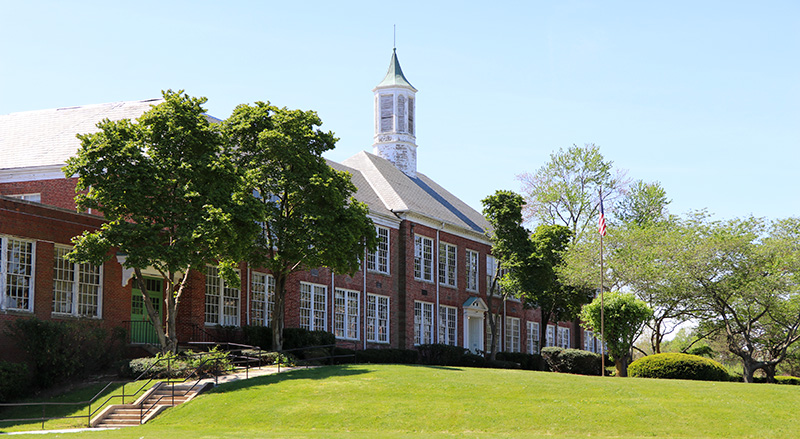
(563, 337)
(550, 335)
(345, 314)
(313, 306)
(447, 325)
(447, 264)
(589, 341)
(423, 258)
(77, 288)
(499, 322)
(222, 301)
(423, 323)
(533, 337)
(262, 303)
(512, 334)
(491, 273)
(16, 273)
(472, 270)
(379, 259)
(377, 318)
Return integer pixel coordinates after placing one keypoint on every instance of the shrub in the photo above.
(293, 338)
(572, 361)
(268, 357)
(678, 366)
(211, 362)
(441, 354)
(787, 380)
(525, 361)
(65, 349)
(14, 380)
(500, 364)
(473, 360)
(387, 356)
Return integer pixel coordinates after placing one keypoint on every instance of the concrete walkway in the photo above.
(240, 374)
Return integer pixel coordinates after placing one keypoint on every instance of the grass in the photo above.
(383, 401)
(71, 404)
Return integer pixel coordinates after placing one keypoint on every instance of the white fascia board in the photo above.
(436, 223)
(385, 221)
(32, 173)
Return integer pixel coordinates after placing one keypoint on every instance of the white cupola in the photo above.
(394, 137)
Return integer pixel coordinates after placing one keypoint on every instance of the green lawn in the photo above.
(366, 401)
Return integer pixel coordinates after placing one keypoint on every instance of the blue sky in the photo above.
(703, 97)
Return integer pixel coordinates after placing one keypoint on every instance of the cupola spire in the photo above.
(394, 137)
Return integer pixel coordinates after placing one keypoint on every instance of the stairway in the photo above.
(153, 402)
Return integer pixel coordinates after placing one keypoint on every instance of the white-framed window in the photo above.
(499, 320)
(379, 259)
(345, 314)
(222, 301)
(36, 198)
(491, 273)
(472, 270)
(533, 337)
(423, 323)
(377, 318)
(77, 288)
(313, 306)
(423, 258)
(512, 334)
(447, 325)
(563, 337)
(550, 336)
(447, 264)
(17, 273)
(262, 299)
(386, 113)
(590, 342)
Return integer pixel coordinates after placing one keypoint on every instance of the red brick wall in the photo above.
(49, 226)
(57, 192)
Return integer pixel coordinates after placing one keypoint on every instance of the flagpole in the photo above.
(602, 232)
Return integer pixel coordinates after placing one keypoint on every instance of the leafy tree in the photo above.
(647, 259)
(172, 201)
(513, 251)
(746, 279)
(528, 264)
(565, 191)
(625, 316)
(644, 204)
(309, 216)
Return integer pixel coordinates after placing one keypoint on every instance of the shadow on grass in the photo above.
(70, 404)
(314, 373)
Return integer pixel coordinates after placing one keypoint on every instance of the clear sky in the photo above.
(702, 96)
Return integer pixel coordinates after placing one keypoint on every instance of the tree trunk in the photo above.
(749, 366)
(158, 325)
(278, 312)
(622, 365)
(769, 370)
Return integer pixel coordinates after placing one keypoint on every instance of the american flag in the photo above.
(602, 223)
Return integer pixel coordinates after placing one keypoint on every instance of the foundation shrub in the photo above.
(14, 380)
(525, 361)
(60, 350)
(441, 354)
(387, 356)
(575, 361)
(293, 338)
(678, 366)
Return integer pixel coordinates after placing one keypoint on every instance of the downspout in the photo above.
(436, 279)
(331, 305)
(500, 323)
(249, 273)
(364, 313)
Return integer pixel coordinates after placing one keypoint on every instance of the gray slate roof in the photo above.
(47, 137)
(400, 193)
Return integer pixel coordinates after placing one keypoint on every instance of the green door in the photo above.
(142, 330)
